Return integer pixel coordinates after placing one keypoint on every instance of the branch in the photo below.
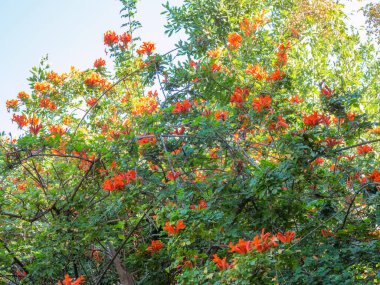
(101, 96)
(83, 178)
(356, 145)
(121, 246)
(56, 155)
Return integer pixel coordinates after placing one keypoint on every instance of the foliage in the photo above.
(256, 161)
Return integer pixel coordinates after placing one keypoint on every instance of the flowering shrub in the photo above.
(256, 161)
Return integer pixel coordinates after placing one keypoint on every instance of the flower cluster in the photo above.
(222, 262)
(174, 229)
(315, 119)
(119, 181)
(69, 281)
(48, 104)
(261, 243)
(181, 107)
(262, 102)
(23, 96)
(234, 41)
(42, 86)
(146, 48)
(221, 115)
(239, 96)
(156, 245)
(256, 71)
(12, 104)
(55, 78)
(95, 79)
(145, 105)
(111, 39)
(364, 149)
(100, 62)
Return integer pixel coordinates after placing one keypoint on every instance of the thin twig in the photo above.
(121, 246)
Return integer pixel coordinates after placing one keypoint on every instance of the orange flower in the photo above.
(256, 71)
(242, 247)
(239, 96)
(319, 160)
(156, 245)
(261, 102)
(261, 241)
(33, 121)
(326, 91)
(214, 152)
(222, 263)
(13, 103)
(216, 67)
(57, 129)
(35, 129)
(325, 119)
(119, 181)
(181, 107)
(98, 63)
(192, 63)
(364, 149)
(234, 40)
(146, 47)
(91, 101)
(173, 175)
(108, 185)
(21, 120)
(41, 86)
(275, 75)
(296, 99)
(23, 95)
(174, 229)
(311, 120)
(125, 38)
(47, 103)
(281, 123)
(338, 121)
(287, 237)
(147, 140)
(110, 38)
(375, 176)
(221, 115)
(202, 204)
(146, 104)
(55, 78)
(248, 27)
(332, 142)
(282, 58)
(351, 116)
(95, 79)
(215, 53)
(21, 186)
(69, 281)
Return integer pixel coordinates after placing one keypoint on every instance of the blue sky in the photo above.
(71, 32)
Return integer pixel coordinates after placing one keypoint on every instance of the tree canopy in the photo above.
(246, 155)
